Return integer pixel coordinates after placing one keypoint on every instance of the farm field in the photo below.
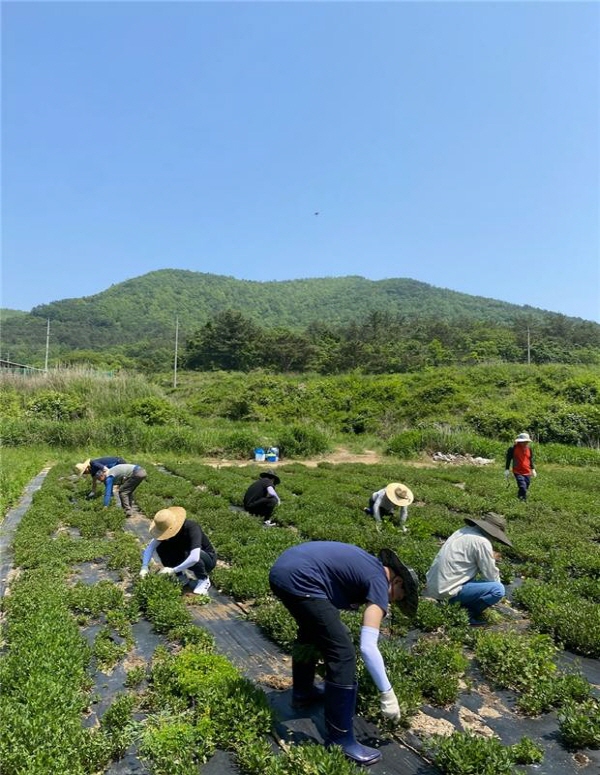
(104, 672)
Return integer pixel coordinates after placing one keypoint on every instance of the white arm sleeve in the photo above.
(373, 659)
(377, 504)
(486, 563)
(148, 552)
(191, 559)
(273, 494)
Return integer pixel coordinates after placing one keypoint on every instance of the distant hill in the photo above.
(144, 309)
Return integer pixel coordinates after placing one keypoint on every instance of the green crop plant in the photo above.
(465, 753)
(526, 665)
(579, 723)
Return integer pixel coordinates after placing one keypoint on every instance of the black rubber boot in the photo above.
(340, 702)
(305, 691)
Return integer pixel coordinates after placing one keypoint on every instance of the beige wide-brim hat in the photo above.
(522, 437)
(81, 468)
(494, 525)
(167, 523)
(399, 494)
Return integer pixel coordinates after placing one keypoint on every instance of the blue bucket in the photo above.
(259, 455)
(272, 455)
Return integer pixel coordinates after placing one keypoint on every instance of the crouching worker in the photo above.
(260, 498)
(316, 580)
(464, 571)
(382, 503)
(181, 545)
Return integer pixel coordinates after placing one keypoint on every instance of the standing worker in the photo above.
(384, 501)
(92, 467)
(260, 498)
(464, 570)
(314, 581)
(128, 477)
(520, 456)
(181, 545)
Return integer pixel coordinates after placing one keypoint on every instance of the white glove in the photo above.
(167, 571)
(143, 573)
(389, 705)
(534, 473)
(506, 474)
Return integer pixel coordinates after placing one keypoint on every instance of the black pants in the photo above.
(264, 507)
(203, 567)
(320, 625)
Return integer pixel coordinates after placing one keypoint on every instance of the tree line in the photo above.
(384, 342)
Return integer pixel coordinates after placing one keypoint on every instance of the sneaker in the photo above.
(202, 587)
(269, 523)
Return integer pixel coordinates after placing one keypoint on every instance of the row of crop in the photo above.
(18, 467)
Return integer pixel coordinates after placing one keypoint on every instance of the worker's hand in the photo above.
(534, 473)
(143, 573)
(90, 495)
(507, 473)
(166, 571)
(389, 705)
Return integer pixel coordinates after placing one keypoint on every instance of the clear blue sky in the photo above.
(452, 143)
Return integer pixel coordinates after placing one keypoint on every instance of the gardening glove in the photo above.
(166, 571)
(389, 705)
(90, 495)
(143, 573)
(506, 473)
(534, 473)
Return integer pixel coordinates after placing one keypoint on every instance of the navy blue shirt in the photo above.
(344, 574)
(98, 463)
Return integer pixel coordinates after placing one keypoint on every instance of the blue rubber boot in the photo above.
(305, 691)
(340, 703)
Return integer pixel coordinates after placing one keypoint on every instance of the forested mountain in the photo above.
(136, 318)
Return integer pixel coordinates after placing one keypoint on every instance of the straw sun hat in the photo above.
(167, 523)
(81, 468)
(399, 494)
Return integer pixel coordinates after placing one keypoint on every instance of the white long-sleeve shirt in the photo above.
(466, 554)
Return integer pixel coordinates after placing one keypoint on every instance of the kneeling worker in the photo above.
(384, 501)
(181, 545)
(260, 498)
(466, 555)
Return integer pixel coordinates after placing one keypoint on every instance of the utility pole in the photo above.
(528, 347)
(176, 345)
(47, 345)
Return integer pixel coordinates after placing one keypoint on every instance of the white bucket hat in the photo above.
(167, 523)
(522, 437)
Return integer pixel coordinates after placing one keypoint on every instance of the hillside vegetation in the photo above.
(328, 325)
(472, 409)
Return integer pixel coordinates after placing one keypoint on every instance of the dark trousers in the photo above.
(523, 485)
(264, 507)
(320, 625)
(127, 487)
(203, 567)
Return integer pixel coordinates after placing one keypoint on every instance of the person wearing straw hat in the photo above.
(384, 501)
(314, 581)
(260, 498)
(464, 570)
(182, 547)
(520, 457)
(93, 466)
